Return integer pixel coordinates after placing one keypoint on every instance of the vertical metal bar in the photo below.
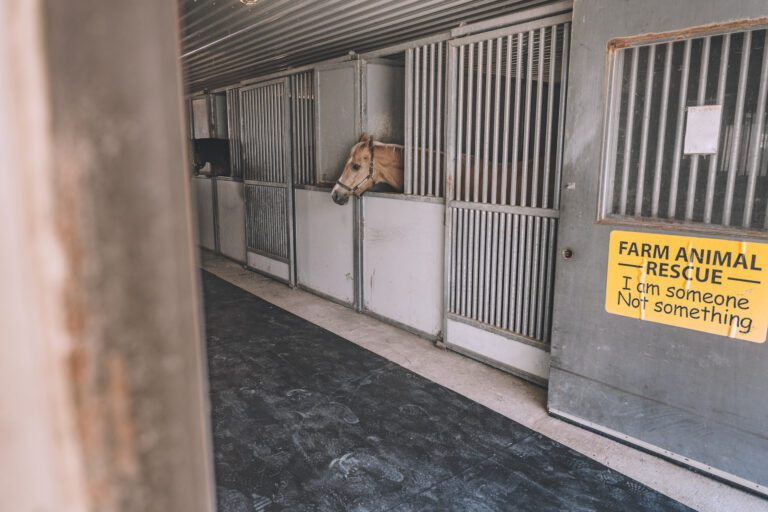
(266, 140)
(527, 127)
(459, 174)
(681, 109)
(628, 132)
(439, 130)
(693, 174)
(451, 247)
(423, 131)
(459, 264)
(639, 186)
(541, 306)
(527, 274)
(662, 131)
(408, 128)
(502, 249)
(516, 126)
(453, 263)
(467, 244)
(311, 126)
(487, 116)
(431, 134)
(473, 279)
(709, 196)
(277, 143)
(274, 143)
(514, 290)
(261, 121)
(478, 108)
(248, 127)
(302, 128)
(550, 279)
(487, 275)
(269, 123)
(737, 127)
(468, 148)
(244, 133)
(252, 109)
(416, 110)
(483, 272)
(561, 115)
(537, 126)
(757, 138)
(505, 130)
(506, 291)
(260, 116)
(305, 127)
(496, 113)
(536, 278)
(293, 133)
(308, 120)
(547, 170)
(493, 274)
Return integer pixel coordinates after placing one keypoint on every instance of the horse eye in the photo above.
(356, 167)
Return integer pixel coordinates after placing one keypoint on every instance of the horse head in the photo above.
(358, 175)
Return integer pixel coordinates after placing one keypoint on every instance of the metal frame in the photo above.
(542, 210)
(287, 185)
(614, 66)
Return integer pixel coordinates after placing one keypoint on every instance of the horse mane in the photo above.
(388, 145)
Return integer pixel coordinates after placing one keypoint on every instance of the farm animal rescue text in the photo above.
(705, 284)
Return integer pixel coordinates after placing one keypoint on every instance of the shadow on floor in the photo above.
(304, 420)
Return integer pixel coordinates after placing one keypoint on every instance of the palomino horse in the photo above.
(369, 163)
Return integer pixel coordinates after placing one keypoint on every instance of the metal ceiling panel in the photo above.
(226, 41)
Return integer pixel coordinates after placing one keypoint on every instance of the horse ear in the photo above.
(364, 137)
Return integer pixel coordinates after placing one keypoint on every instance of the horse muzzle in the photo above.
(339, 196)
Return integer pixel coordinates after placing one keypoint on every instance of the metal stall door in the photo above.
(266, 151)
(505, 109)
(659, 334)
(326, 239)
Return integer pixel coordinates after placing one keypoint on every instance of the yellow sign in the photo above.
(709, 285)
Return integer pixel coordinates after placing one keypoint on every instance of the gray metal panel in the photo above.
(675, 391)
(384, 101)
(402, 261)
(338, 116)
(203, 192)
(201, 123)
(233, 128)
(230, 209)
(266, 221)
(219, 115)
(324, 245)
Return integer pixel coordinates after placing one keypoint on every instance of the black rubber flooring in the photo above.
(304, 420)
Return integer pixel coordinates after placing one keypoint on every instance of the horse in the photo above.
(372, 163)
(369, 163)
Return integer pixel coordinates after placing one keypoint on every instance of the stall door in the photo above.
(267, 177)
(506, 101)
(661, 311)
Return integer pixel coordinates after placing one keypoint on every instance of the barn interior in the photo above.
(222, 333)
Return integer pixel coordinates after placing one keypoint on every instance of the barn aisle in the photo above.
(306, 420)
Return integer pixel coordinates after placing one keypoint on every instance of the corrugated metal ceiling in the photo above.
(225, 41)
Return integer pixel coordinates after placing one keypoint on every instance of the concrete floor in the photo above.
(505, 394)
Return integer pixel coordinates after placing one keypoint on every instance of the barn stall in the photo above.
(468, 254)
(385, 253)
